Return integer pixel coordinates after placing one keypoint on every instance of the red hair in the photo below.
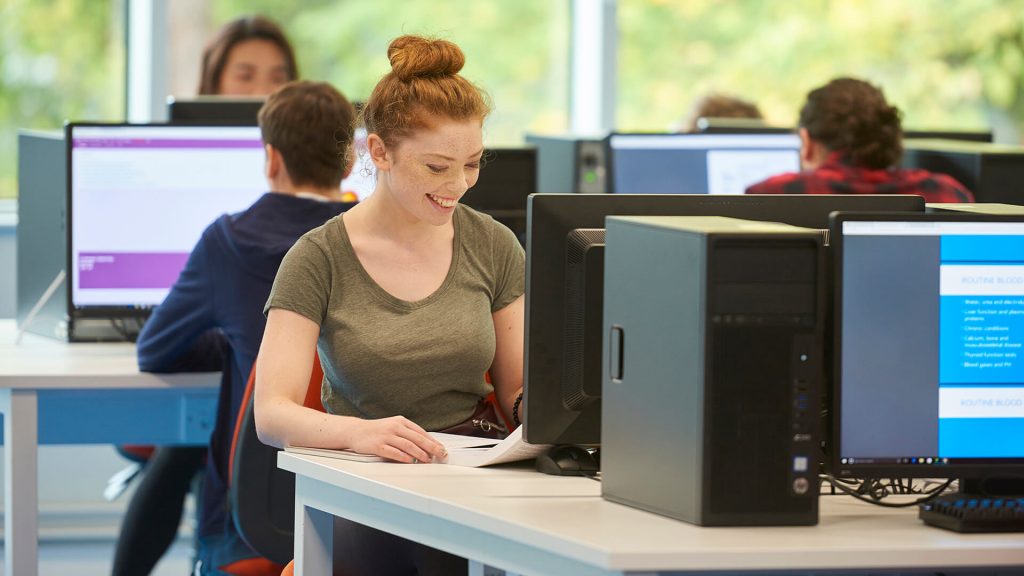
(424, 84)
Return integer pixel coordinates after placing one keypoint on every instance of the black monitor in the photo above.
(754, 126)
(565, 289)
(138, 199)
(739, 126)
(961, 135)
(214, 110)
(928, 365)
(697, 163)
(507, 177)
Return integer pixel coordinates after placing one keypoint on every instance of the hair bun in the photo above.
(418, 57)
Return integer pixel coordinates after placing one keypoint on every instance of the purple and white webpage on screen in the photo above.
(141, 196)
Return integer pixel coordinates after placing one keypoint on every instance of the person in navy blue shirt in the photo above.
(216, 305)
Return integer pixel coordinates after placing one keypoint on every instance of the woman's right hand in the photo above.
(396, 438)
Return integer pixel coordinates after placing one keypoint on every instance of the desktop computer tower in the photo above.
(992, 172)
(42, 230)
(567, 164)
(713, 370)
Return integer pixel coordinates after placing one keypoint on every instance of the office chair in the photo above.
(261, 497)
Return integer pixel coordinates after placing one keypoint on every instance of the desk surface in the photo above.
(567, 518)
(39, 363)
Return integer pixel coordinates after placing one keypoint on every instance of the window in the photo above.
(58, 60)
(946, 65)
(516, 51)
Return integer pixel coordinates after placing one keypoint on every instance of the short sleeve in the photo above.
(303, 281)
(510, 268)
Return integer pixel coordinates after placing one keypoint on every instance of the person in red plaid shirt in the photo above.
(851, 143)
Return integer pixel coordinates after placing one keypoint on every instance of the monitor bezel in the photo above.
(834, 443)
(102, 311)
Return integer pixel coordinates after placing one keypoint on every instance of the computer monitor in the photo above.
(961, 135)
(712, 125)
(214, 110)
(139, 197)
(565, 289)
(231, 111)
(929, 325)
(755, 126)
(697, 163)
(507, 177)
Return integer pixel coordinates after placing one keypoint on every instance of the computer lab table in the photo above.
(518, 520)
(54, 392)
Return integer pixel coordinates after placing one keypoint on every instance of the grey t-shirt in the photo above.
(383, 356)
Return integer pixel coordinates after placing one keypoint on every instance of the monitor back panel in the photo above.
(42, 237)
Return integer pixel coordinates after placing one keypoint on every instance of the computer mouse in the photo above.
(568, 461)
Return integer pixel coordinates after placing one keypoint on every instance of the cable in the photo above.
(877, 490)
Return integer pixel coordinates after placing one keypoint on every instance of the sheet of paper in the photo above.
(331, 453)
(510, 449)
(462, 450)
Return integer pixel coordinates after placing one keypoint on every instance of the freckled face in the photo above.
(430, 170)
(253, 68)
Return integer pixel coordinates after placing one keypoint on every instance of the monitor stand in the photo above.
(569, 460)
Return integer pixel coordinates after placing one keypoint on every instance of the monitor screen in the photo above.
(697, 163)
(139, 197)
(363, 178)
(565, 288)
(929, 367)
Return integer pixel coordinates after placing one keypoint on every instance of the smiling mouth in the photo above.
(443, 202)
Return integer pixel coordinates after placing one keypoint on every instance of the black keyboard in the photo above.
(968, 513)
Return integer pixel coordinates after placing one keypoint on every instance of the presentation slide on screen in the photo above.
(141, 198)
(732, 171)
(981, 339)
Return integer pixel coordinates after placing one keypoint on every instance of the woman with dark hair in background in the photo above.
(851, 142)
(249, 56)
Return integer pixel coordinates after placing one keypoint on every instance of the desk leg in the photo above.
(314, 537)
(21, 482)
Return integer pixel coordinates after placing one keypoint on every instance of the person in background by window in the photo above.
(717, 105)
(851, 142)
(249, 56)
(411, 298)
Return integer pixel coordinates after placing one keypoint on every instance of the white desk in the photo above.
(530, 523)
(58, 393)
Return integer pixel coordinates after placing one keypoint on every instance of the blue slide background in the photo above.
(981, 437)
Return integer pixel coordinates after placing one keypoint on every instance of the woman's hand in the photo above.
(396, 438)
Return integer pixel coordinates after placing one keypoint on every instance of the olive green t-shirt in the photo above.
(383, 356)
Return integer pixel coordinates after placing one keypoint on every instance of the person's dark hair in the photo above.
(424, 83)
(851, 116)
(717, 105)
(311, 124)
(215, 55)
